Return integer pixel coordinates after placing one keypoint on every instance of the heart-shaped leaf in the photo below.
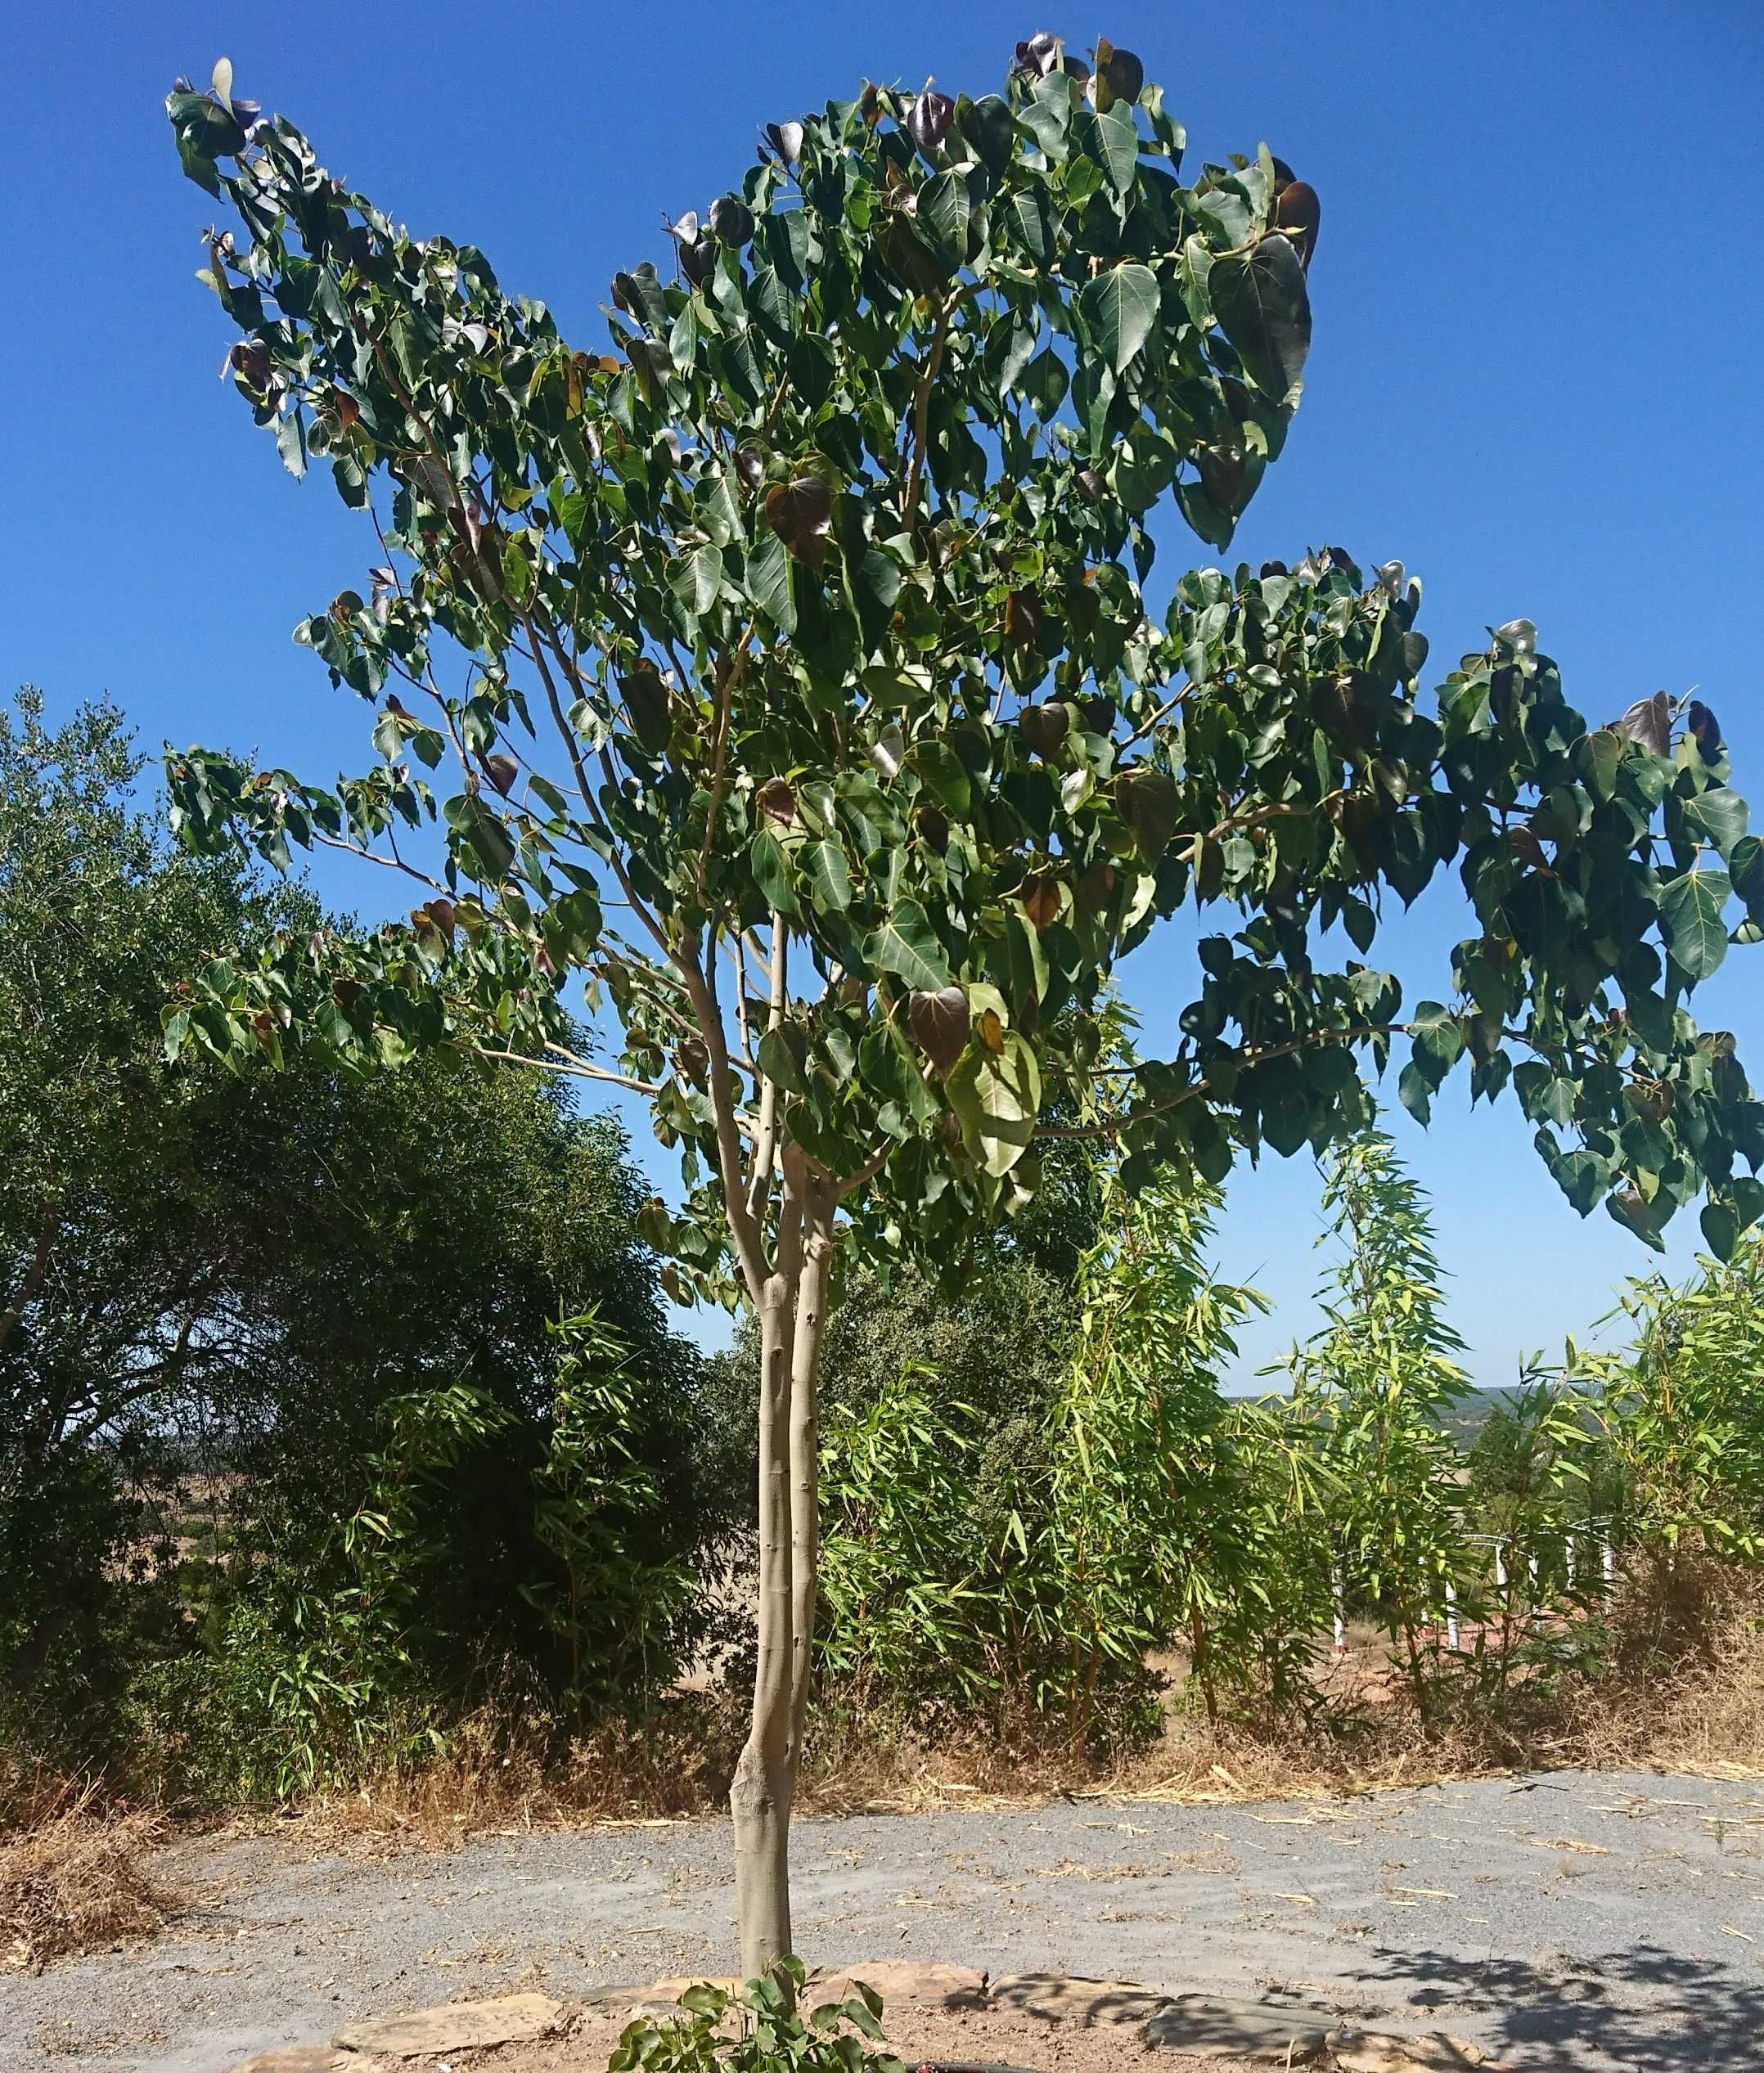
(823, 866)
(1260, 300)
(1297, 209)
(1719, 815)
(940, 1024)
(732, 221)
(997, 1097)
(906, 945)
(1649, 722)
(1705, 729)
(1146, 801)
(1692, 923)
(928, 121)
(696, 579)
(1120, 308)
(647, 708)
(801, 514)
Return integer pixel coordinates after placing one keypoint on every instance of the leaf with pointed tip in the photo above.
(940, 1024)
(1597, 759)
(1297, 209)
(823, 864)
(696, 579)
(1111, 139)
(1719, 815)
(997, 1097)
(1649, 722)
(768, 582)
(1691, 921)
(771, 873)
(945, 209)
(928, 121)
(1120, 308)
(778, 1057)
(1262, 307)
(1146, 800)
(906, 945)
(1043, 382)
(801, 514)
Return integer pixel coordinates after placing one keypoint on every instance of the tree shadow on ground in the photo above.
(1642, 2006)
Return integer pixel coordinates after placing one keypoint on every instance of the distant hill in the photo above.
(1466, 1418)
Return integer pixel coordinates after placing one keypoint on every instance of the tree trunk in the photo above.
(791, 1314)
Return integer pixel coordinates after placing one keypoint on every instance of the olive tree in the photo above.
(786, 677)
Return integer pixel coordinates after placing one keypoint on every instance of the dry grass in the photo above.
(73, 1876)
(491, 1779)
(1698, 1710)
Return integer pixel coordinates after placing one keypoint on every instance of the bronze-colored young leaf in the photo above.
(1044, 728)
(1649, 722)
(939, 1025)
(928, 121)
(1297, 209)
(801, 514)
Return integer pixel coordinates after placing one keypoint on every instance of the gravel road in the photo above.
(1582, 1920)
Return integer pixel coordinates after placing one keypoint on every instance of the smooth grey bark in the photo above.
(792, 1311)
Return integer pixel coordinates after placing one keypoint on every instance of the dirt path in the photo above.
(1577, 1920)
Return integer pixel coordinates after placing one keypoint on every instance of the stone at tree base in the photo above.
(455, 2026)
(1377, 2051)
(926, 1984)
(669, 1990)
(1082, 2001)
(1207, 2025)
(294, 2058)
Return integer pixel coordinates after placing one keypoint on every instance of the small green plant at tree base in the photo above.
(758, 2029)
(786, 680)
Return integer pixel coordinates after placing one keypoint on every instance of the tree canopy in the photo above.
(821, 597)
(239, 1274)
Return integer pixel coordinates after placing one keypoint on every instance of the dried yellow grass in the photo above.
(74, 1875)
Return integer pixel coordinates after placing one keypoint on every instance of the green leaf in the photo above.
(945, 209)
(768, 580)
(771, 873)
(1263, 309)
(290, 442)
(1043, 383)
(1720, 1227)
(906, 945)
(1146, 800)
(1120, 307)
(1691, 921)
(1114, 142)
(696, 579)
(829, 884)
(488, 848)
(1718, 815)
(1597, 759)
(779, 1060)
(174, 1027)
(997, 1097)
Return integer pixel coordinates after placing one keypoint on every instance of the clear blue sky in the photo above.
(1536, 379)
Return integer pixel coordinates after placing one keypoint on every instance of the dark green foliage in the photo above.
(218, 1286)
(814, 614)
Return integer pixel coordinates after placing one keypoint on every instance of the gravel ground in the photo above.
(1582, 1920)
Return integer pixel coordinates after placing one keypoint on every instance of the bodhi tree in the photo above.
(786, 678)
